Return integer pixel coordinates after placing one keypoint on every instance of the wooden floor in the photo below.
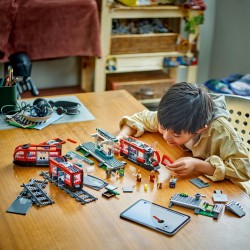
(55, 91)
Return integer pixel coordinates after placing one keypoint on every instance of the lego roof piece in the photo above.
(200, 182)
(235, 208)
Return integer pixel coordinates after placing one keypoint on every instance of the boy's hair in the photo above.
(185, 107)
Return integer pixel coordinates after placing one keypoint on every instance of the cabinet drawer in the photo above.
(143, 43)
(143, 85)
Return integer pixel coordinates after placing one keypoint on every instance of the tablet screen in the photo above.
(154, 216)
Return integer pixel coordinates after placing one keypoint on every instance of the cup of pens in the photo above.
(8, 95)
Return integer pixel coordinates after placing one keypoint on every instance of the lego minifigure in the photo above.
(159, 185)
(138, 176)
(145, 187)
(108, 172)
(121, 172)
(152, 176)
(172, 182)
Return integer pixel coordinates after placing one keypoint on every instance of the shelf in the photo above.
(161, 11)
(135, 53)
(140, 62)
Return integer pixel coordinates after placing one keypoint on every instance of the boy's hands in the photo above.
(186, 165)
(117, 144)
(124, 133)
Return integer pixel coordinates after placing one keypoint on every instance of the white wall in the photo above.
(231, 43)
(206, 42)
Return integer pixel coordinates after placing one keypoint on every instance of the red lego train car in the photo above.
(140, 153)
(33, 154)
(65, 173)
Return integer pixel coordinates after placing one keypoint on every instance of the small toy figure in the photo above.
(159, 185)
(152, 176)
(108, 172)
(145, 187)
(117, 174)
(172, 182)
(138, 176)
(111, 64)
(121, 172)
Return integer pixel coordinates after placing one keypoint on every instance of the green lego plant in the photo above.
(193, 22)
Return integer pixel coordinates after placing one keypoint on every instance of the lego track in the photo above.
(34, 190)
(79, 195)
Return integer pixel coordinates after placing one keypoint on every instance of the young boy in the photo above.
(189, 116)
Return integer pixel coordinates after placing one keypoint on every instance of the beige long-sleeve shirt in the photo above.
(220, 145)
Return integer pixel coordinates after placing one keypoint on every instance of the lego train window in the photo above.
(60, 178)
(67, 179)
(77, 179)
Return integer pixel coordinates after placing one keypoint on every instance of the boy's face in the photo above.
(175, 139)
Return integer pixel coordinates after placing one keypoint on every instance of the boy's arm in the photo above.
(225, 151)
(138, 123)
(236, 167)
(126, 131)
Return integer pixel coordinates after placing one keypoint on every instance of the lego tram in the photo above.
(33, 154)
(65, 173)
(139, 153)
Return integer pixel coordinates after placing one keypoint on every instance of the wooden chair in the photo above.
(239, 109)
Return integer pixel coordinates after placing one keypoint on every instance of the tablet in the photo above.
(156, 217)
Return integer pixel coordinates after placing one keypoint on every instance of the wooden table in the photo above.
(69, 225)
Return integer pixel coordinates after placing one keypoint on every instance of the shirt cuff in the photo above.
(217, 163)
(139, 129)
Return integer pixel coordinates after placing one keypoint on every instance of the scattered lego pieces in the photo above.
(53, 142)
(200, 182)
(32, 194)
(110, 191)
(166, 160)
(72, 155)
(219, 197)
(197, 204)
(70, 140)
(235, 208)
(34, 191)
(21, 205)
(94, 182)
(80, 195)
(90, 169)
(127, 189)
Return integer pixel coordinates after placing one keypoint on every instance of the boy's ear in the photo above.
(199, 131)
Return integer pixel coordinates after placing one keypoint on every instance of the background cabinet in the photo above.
(135, 54)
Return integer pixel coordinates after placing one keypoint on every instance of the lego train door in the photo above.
(132, 153)
(57, 175)
(42, 157)
(60, 178)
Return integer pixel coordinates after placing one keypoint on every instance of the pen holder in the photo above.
(8, 96)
